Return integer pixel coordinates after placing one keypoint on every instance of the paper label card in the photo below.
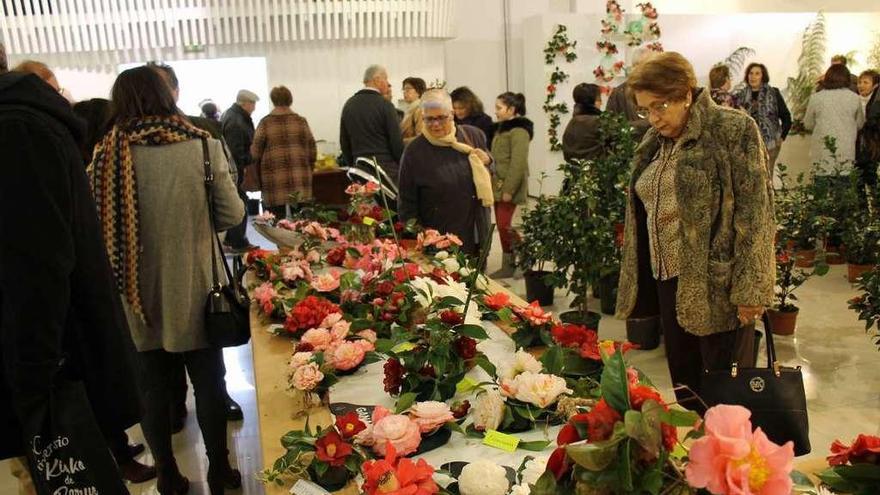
(403, 347)
(306, 487)
(369, 220)
(501, 441)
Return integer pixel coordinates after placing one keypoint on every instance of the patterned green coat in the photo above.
(727, 223)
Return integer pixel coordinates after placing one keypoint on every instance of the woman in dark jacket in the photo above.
(156, 171)
(767, 106)
(444, 180)
(580, 141)
(698, 241)
(468, 110)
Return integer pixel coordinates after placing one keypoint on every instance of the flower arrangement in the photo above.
(576, 352)
(364, 214)
(416, 427)
(323, 355)
(613, 21)
(559, 45)
(867, 303)
(327, 456)
(854, 468)
(398, 475)
(309, 313)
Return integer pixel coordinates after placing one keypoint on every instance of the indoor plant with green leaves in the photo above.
(867, 303)
(783, 316)
(536, 238)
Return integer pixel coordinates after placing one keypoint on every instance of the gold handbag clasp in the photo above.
(733, 370)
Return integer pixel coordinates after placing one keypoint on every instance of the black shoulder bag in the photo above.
(227, 310)
(775, 396)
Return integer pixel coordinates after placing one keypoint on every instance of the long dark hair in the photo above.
(765, 76)
(466, 97)
(517, 101)
(96, 113)
(140, 92)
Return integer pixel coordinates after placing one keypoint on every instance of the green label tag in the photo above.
(369, 220)
(501, 441)
(403, 347)
(465, 385)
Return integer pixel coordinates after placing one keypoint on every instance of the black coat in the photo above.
(369, 127)
(868, 141)
(482, 122)
(580, 141)
(437, 187)
(58, 298)
(238, 131)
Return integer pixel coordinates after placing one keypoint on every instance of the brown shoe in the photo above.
(135, 472)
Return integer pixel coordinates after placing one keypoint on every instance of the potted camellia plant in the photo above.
(867, 303)
(536, 238)
(783, 316)
(862, 239)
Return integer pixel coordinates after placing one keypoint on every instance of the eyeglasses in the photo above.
(436, 120)
(657, 109)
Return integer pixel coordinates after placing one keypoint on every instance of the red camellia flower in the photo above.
(640, 393)
(393, 376)
(385, 288)
(568, 335)
(304, 347)
(428, 370)
(350, 425)
(496, 301)
(865, 449)
(670, 436)
(439, 275)
(569, 433)
(452, 318)
(309, 313)
(255, 255)
(558, 463)
(551, 88)
(600, 421)
(408, 272)
(783, 257)
(393, 476)
(534, 314)
(336, 256)
(465, 347)
(331, 449)
(399, 226)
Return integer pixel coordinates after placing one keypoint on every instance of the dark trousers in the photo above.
(688, 355)
(118, 443)
(237, 236)
(205, 368)
(867, 183)
(179, 386)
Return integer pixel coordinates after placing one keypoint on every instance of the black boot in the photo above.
(222, 477)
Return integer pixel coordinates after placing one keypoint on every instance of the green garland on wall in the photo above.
(558, 46)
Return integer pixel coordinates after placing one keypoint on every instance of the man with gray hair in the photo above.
(369, 126)
(238, 131)
(623, 103)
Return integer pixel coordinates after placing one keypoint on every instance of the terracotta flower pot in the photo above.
(783, 322)
(835, 255)
(855, 271)
(805, 259)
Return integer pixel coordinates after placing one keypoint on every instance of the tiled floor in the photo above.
(839, 362)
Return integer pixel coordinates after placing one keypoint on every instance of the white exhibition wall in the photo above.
(703, 39)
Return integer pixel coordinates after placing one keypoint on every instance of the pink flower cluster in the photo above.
(433, 238)
(312, 229)
(365, 190)
(534, 314)
(326, 282)
(373, 257)
(304, 374)
(332, 338)
(730, 459)
(265, 295)
(404, 431)
(296, 269)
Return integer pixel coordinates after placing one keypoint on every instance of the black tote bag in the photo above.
(775, 396)
(65, 449)
(227, 308)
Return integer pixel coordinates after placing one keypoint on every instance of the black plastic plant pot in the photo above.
(644, 332)
(608, 293)
(335, 478)
(433, 440)
(536, 289)
(590, 319)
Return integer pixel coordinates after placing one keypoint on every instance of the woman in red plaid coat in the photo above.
(284, 153)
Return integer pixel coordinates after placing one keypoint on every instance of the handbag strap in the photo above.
(772, 362)
(215, 237)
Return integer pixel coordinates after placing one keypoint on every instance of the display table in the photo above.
(278, 411)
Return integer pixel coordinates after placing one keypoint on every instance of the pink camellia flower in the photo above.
(340, 330)
(319, 338)
(330, 320)
(316, 230)
(326, 282)
(286, 224)
(534, 314)
(732, 460)
(299, 359)
(366, 345)
(295, 270)
(313, 256)
(368, 335)
(265, 294)
(402, 432)
(307, 377)
(345, 356)
(430, 415)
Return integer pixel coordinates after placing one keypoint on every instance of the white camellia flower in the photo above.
(483, 478)
(426, 290)
(442, 255)
(521, 489)
(488, 410)
(539, 389)
(532, 471)
(451, 265)
(521, 362)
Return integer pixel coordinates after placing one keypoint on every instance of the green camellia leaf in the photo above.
(644, 428)
(404, 402)
(678, 417)
(837, 483)
(625, 466)
(802, 483)
(321, 467)
(384, 346)
(553, 360)
(472, 331)
(546, 485)
(615, 386)
(860, 472)
(535, 446)
(598, 455)
(483, 362)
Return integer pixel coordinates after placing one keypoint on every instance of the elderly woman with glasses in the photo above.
(445, 183)
(698, 247)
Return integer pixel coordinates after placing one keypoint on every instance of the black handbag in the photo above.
(65, 449)
(775, 396)
(227, 310)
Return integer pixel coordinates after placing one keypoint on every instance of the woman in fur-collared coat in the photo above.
(698, 248)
